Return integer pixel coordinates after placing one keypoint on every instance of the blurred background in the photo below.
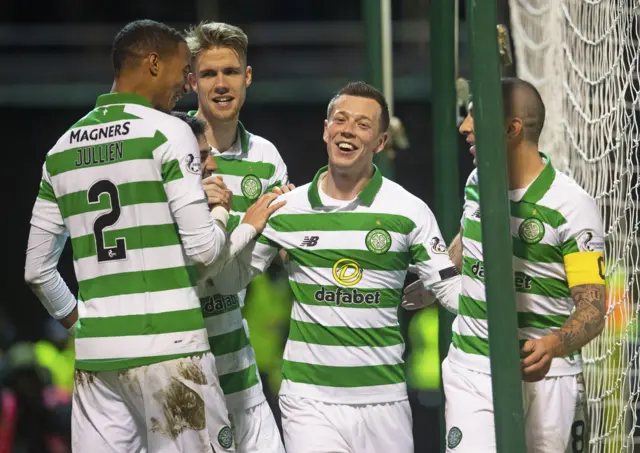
(55, 61)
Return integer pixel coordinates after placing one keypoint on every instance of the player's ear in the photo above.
(153, 61)
(192, 81)
(325, 133)
(382, 142)
(514, 128)
(248, 77)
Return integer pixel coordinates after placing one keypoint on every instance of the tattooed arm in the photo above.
(586, 322)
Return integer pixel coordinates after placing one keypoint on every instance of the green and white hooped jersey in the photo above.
(550, 219)
(348, 262)
(250, 168)
(108, 183)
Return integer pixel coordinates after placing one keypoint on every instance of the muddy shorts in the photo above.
(169, 407)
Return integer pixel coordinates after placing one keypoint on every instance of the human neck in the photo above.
(342, 185)
(524, 165)
(220, 134)
(129, 84)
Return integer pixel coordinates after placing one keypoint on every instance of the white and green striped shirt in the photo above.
(111, 183)
(550, 219)
(348, 262)
(250, 168)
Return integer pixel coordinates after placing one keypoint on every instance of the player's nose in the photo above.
(466, 126)
(221, 88)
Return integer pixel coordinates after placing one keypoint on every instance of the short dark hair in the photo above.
(139, 38)
(196, 124)
(521, 99)
(364, 90)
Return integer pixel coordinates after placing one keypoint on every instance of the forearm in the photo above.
(236, 274)
(237, 241)
(455, 251)
(586, 322)
(41, 274)
(202, 232)
(448, 292)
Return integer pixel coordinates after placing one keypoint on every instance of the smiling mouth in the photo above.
(346, 146)
(223, 99)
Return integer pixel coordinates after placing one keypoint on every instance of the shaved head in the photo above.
(522, 100)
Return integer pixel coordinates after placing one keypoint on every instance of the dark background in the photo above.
(54, 62)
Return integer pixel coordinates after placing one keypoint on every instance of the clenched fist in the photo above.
(217, 192)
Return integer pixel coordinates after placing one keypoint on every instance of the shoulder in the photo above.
(296, 200)
(566, 195)
(174, 129)
(395, 199)
(472, 180)
(264, 149)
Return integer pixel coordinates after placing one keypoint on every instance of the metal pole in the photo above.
(448, 203)
(496, 229)
(387, 53)
(373, 22)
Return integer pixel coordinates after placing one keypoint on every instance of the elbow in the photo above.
(205, 250)
(33, 277)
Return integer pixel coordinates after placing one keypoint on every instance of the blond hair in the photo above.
(208, 35)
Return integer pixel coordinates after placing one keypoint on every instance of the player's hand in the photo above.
(217, 192)
(258, 213)
(283, 189)
(416, 296)
(538, 355)
(284, 256)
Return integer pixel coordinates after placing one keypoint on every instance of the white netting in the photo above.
(584, 57)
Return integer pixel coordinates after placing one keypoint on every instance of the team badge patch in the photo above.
(531, 230)
(251, 187)
(378, 241)
(454, 437)
(192, 164)
(437, 246)
(588, 242)
(225, 437)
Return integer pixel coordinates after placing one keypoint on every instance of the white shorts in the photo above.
(312, 426)
(168, 407)
(554, 413)
(255, 430)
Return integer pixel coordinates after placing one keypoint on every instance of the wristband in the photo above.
(221, 215)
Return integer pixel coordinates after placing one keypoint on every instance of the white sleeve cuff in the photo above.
(220, 215)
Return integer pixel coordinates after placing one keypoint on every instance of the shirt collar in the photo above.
(542, 183)
(366, 195)
(122, 98)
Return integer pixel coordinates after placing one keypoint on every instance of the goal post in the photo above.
(584, 58)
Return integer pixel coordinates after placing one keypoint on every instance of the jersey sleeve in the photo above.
(429, 254)
(582, 239)
(471, 197)
(46, 212)
(281, 175)
(253, 260)
(180, 167)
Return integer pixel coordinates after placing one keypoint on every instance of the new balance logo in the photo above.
(309, 241)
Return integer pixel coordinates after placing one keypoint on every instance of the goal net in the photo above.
(584, 58)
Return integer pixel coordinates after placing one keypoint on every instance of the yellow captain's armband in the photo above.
(584, 268)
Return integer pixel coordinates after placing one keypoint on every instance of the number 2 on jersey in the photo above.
(119, 251)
